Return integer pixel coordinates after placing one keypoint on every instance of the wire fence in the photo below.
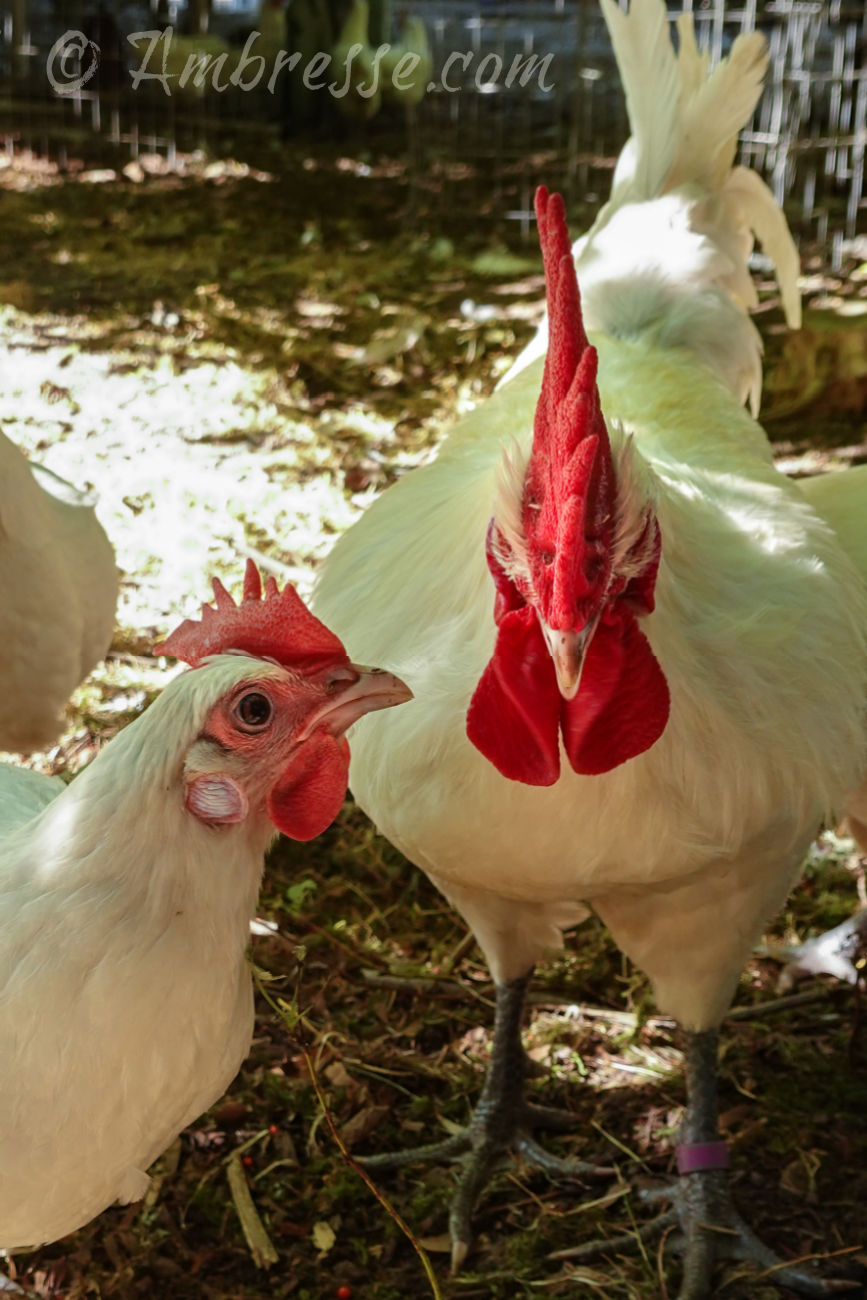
(808, 136)
(521, 92)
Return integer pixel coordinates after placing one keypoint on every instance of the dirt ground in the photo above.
(238, 359)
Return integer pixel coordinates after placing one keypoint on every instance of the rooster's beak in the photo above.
(568, 650)
(372, 688)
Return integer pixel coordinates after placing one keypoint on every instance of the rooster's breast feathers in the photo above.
(746, 569)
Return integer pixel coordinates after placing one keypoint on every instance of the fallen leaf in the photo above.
(324, 1236)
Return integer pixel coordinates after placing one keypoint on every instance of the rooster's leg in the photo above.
(500, 1123)
(712, 1228)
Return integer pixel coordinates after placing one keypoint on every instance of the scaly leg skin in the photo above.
(500, 1123)
(712, 1228)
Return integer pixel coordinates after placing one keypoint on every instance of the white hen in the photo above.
(58, 591)
(126, 1003)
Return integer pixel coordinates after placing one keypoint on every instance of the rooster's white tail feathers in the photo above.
(714, 106)
(642, 46)
(684, 119)
(668, 255)
(765, 218)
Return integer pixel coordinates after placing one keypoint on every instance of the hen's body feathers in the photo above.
(136, 942)
(58, 590)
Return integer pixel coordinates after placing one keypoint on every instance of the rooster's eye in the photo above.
(254, 710)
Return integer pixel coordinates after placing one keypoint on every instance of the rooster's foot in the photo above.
(712, 1231)
(482, 1148)
(705, 1229)
(500, 1124)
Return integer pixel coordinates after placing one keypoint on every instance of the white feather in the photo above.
(669, 251)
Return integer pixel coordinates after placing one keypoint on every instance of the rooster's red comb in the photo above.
(567, 341)
(276, 625)
(569, 490)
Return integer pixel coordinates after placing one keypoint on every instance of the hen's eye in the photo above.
(254, 710)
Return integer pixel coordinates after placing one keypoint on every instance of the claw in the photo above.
(460, 1250)
(709, 1232)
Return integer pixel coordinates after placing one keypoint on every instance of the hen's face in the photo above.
(274, 745)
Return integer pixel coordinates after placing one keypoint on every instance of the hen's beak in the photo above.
(366, 690)
(568, 650)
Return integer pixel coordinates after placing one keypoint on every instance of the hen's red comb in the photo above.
(276, 626)
(570, 500)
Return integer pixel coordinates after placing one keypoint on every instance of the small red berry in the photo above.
(247, 1161)
(273, 1129)
(344, 1293)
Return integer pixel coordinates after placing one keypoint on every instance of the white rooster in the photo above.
(58, 591)
(126, 1001)
(661, 694)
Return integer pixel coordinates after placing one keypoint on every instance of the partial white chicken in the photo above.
(407, 67)
(126, 1003)
(193, 63)
(661, 695)
(357, 75)
(58, 591)
(841, 499)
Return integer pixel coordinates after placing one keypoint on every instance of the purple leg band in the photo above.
(694, 1157)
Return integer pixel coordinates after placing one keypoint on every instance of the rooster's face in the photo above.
(574, 551)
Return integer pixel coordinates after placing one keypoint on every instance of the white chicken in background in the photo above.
(355, 66)
(194, 62)
(407, 68)
(126, 1003)
(841, 499)
(660, 697)
(367, 76)
(58, 592)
